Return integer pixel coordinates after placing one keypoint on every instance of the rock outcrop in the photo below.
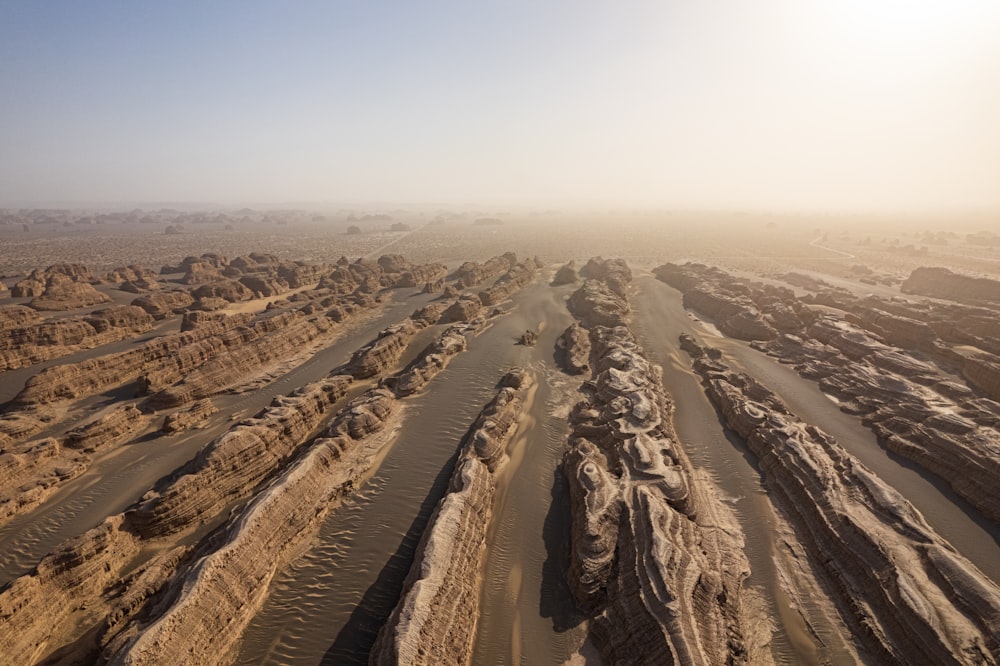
(471, 273)
(62, 292)
(384, 351)
(573, 348)
(431, 361)
(435, 619)
(726, 301)
(654, 550)
(191, 417)
(236, 462)
(513, 280)
(106, 429)
(566, 274)
(27, 345)
(165, 303)
(904, 591)
(943, 283)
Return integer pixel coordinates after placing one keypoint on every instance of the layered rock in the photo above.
(657, 560)
(431, 361)
(464, 308)
(908, 596)
(728, 302)
(230, 291)
(510, 282)
(180, 352)
(165, 303)
(17, 316)
(38, 609)
(418, 276)
(269, 340)
(915, 410)
(191, 417)
(220, 595)
(33, 471)
(233, 464)
(104, 430)
(63, 293)
(471, 273)
(28, 345)
(435, 619)
(384, 351)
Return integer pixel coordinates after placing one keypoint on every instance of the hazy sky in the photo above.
(757, 104)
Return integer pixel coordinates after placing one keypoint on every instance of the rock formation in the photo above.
(164, 303)
(943, 283)
(514, 279)
(654, 550)
(41, 341)
(435, 619)
(63, 293)
(471, 273)
(190, 417)
(574, 349)
(566, 274)
(904, 591)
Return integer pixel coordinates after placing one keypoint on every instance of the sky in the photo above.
(772, 105)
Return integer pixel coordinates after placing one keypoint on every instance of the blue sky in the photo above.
(772, 104)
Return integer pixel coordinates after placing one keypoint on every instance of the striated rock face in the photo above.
(657, 559)
(179, 352)
(17, 316)
(435, 619)
(597, 305)
(164, 303)
(27, 288)
(914, 409)
(132, 273)
(31, 472)
(185, 419)
(727, 301)
(99, 432)
(943, 283)
(471, 273)
(198, 272)
(431, 361)
(26, 345)
(383, 352)
(218, 597)
(35, 608)
(904, 591)
(574, 349)
(270, 339)
(566, 274)
(510, 282)
(422, 275)
(263, 286)
(234, 463)
(228, 290)
(463, 309)
(63, 293)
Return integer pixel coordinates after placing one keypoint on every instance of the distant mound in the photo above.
(943, 283)
(488, 221)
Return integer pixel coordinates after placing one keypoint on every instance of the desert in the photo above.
(564, 333)
(705, 456)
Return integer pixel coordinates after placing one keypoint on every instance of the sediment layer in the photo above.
(908, 596)
(657, 560)
(436, 617)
